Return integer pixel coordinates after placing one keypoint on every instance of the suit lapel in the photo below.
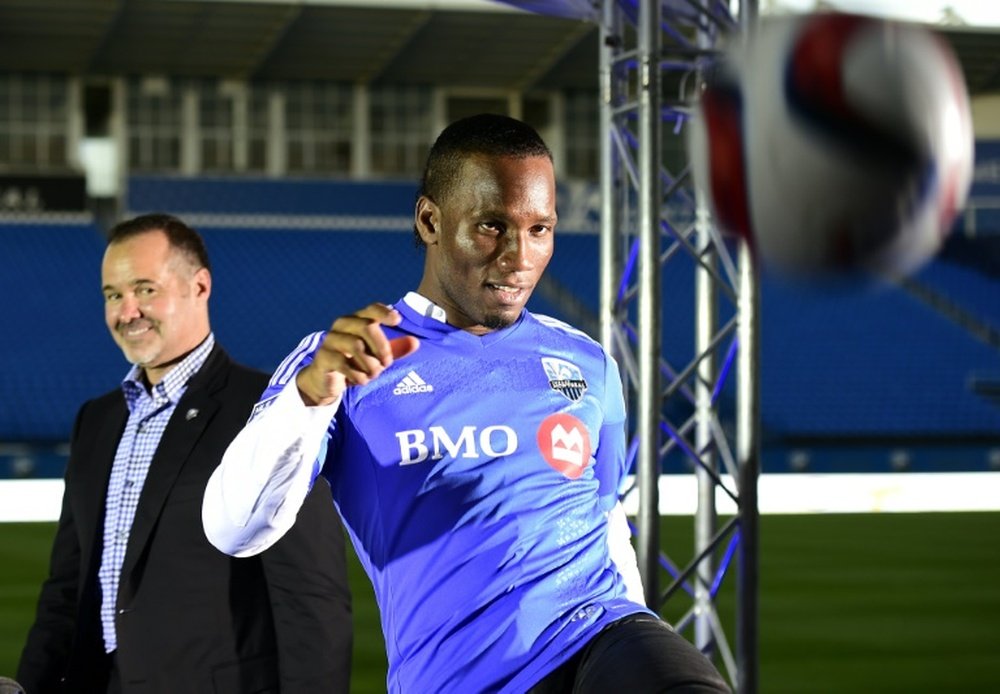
(192, 415)
(94, 496)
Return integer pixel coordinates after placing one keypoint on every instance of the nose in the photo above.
(128, 309)
(515, 256)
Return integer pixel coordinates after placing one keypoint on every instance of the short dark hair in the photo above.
(179, 235)
(486, 134)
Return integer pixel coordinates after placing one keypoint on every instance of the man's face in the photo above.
(489, 240)
(155, 301)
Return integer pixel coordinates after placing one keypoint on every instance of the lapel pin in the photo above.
(191, 414)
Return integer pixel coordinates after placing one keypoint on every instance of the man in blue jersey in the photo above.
(475, 451)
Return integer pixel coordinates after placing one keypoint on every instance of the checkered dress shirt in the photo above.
(149, 413)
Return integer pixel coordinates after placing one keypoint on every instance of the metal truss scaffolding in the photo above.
(693, 402)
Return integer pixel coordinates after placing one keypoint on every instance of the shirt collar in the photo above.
(425, 307)
(432, 317)
(175, 381)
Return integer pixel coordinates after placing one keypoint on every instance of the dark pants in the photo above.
(638, 654)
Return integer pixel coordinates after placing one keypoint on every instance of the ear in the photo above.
(427, 219)
(202, 282)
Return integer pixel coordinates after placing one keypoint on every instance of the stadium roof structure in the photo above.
(476, 44)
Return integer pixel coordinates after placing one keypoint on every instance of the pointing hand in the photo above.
(354, 351)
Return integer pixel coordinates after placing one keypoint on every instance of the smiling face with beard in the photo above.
(155, 301)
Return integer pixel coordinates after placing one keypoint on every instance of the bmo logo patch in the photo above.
(416, 445)
(565, 444)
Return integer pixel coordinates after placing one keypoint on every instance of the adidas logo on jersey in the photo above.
(412, 383)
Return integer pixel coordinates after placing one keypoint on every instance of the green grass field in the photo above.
(848, 603)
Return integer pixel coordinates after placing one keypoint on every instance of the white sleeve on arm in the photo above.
(623, 554)
(253, 497)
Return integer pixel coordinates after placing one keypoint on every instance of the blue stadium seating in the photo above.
(273, 286)
(875, 363)
(868, 365)
(55, 352)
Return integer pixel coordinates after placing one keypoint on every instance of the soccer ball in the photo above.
(835, 143)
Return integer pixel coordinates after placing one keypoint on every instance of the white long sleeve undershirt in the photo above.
(253, 497)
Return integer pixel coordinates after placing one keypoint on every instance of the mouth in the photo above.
(506, 293)
(135, 330)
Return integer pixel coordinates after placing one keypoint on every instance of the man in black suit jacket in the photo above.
(137, 600)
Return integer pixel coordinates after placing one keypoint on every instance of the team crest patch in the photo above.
(565, 377)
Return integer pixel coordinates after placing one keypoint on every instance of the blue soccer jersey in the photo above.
(475, 477)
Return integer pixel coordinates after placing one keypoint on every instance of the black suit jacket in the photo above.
(189, 618)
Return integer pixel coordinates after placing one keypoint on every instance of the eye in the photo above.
(110, 297)
(541, 230)
(492, 227)
(145, 291)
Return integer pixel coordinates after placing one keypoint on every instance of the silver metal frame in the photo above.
(651, 217)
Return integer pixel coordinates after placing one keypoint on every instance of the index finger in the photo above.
(372, 317)
(381, 313)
